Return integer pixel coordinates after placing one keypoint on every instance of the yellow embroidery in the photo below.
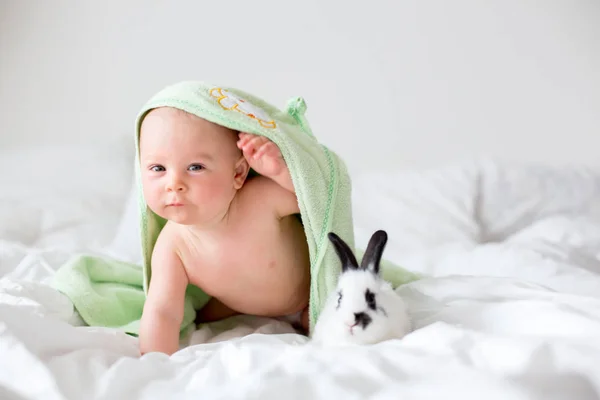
(229, 101)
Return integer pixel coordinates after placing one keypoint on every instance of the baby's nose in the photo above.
(175, 185)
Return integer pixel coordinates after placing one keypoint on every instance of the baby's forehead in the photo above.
(175, 118)
(172, 114)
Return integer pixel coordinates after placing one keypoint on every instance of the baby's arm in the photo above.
(284, 179)
(163, 309)
(265, 158)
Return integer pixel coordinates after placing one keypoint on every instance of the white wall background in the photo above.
(409, 83)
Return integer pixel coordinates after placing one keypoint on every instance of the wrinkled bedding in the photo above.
(510, 308)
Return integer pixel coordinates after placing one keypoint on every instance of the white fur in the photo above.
(333, 326)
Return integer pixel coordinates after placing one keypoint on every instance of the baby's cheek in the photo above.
(151, 195)
(216, 187)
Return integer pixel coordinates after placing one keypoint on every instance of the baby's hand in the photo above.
(262, 155)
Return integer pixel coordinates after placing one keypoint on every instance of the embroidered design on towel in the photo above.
(230, 101)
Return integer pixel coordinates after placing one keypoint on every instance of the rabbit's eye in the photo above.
(370, 299)
(339, 299)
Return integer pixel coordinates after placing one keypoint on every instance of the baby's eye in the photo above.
(195, 167)
(157, 168)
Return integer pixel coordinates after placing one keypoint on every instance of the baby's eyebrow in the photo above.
(203, 156)
(196, 156)
(150, 158)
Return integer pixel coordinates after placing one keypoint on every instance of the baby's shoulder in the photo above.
(270, 195)
(168, 239)
(257, 187)
(257, 181)
(262, 187)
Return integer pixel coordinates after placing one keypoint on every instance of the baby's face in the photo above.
(190, 168)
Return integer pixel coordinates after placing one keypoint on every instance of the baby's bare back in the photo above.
(259, 264)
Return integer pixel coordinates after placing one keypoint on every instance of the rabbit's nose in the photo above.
(363, 319)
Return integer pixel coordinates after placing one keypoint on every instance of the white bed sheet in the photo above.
(511, 311)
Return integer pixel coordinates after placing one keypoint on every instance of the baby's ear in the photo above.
(241, 172)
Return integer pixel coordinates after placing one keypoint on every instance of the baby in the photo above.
(235, 237)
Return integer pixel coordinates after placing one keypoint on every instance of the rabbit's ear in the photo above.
(343, 252)
(372, 255)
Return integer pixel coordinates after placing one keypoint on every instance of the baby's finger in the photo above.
(254, 142)
(264, 149)
(248, 151)
(260, 152)
(244, 138)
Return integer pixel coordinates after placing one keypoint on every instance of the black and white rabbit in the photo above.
(364, 308)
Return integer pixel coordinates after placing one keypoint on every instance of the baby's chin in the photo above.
(182, 220)
(179, 216)
(188, 215)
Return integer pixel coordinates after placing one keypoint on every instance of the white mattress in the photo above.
(511, 310)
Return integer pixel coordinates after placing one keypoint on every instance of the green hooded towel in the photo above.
(111, 293)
